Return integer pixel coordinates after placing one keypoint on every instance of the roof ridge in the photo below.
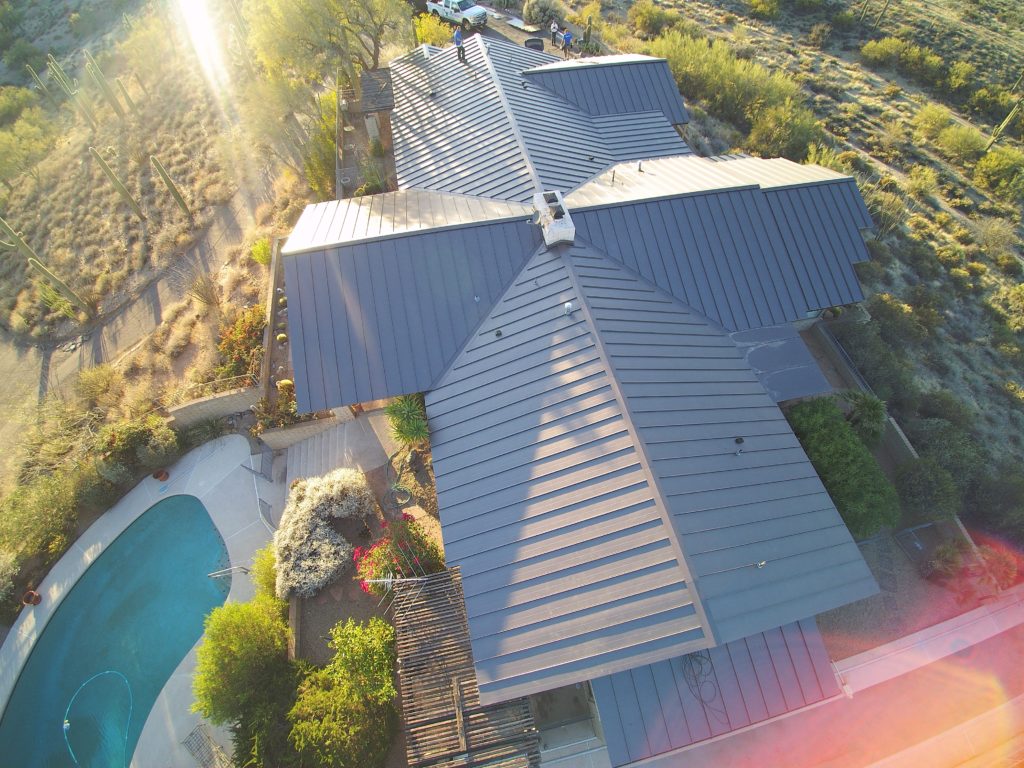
(639, 445)
(509, 113)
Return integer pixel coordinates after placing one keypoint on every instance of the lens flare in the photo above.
(202, 32)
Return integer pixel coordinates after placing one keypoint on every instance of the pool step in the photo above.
(351, 444)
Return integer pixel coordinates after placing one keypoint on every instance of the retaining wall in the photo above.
(285, 437)
(213, 407)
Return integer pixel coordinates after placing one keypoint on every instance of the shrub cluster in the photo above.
(407, 416)
(432, 30)
(130, 446)
(241, 343)
(1001, 171)
(310, 553)
(888, 373)
(543, 12)
(404, 551)
(862, 494)
(648, 19)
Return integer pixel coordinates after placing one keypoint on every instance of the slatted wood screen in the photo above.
(445, 725)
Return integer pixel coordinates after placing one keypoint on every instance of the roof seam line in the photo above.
(539, 186)
(641, 451)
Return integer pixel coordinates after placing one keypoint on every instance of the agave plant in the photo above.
(408, 418)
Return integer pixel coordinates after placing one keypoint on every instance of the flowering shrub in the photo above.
(405, 551)
(311, 554)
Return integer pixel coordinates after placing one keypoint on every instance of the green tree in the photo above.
(320, 151)
(431, 30)
(24, 144)
(344, 714)
(927, 490)
(930, 120)
(1001, 171)
(864, 497)
(543, 12)
(962, 143)
(13, 101)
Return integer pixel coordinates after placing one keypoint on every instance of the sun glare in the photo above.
(205, 41)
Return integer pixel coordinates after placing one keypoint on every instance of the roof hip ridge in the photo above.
(639, 446)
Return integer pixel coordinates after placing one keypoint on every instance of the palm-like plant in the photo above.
(408, 417)
(867, 416)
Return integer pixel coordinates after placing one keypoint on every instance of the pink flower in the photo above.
(364, 586)
(384, 524)
(416, 560)
(407, 517)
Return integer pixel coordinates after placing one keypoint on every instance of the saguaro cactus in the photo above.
(33, 261)
(171, 186)
(62, 288)
(121, 188)
(71, 89)
(124, 94)
(101, 82)
(41, 85)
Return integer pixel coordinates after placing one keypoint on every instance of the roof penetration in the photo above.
(657, 708)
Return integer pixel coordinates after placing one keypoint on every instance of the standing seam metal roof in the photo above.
(568, 567)
(615, 86)
(669, 705)
(575, 452)
(483, 128)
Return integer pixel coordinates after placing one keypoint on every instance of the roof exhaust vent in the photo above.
(553, 218)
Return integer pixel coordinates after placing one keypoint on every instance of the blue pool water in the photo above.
(114, 641)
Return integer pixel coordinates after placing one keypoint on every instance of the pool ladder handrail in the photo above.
(228, 571)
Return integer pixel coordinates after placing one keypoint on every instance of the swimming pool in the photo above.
(114, 641)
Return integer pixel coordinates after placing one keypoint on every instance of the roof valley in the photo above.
(654, 482)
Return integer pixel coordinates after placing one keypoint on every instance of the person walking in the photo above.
(457, 38)
(566, 42)
(554, 32)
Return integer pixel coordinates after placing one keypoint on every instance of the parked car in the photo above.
(464, 13)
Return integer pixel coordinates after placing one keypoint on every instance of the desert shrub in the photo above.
(241, 343)
(100, 386)
(731, 88)
(867, 416)
(927, 490)
(961, 143)
(137, 444)
(785, 130)
(995, 236)
(922, 64)
(648, 19)
(404, 551)
(897, 323)
(8, 572)
(887, 209)
(923, 182)
(344, 714)
(960, 76)
(1000, 564)
(888, 373)
(883, 53)
(862, 494)
(543, 12)
(243, 679)
(998, 500)
(13, 101)
(408, 419)
(1008, 302)
(38, 517)
(819, 34)
(940, 404)
(263, 572)
(808, 6)
(319, 155)
(946, 559)
(589, 13)
(310, 553)
(930, 120)
(260, 253)
(432, 30)
(819, 153)
(1001, 171)
(763, 9)
(952, 447)
(1009, 264)
(843, 20)
(22, 52)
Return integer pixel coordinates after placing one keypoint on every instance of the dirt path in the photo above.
(30, 372)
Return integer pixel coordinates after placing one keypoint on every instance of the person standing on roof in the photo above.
(554, 32)
(457, 38)
(566, 42)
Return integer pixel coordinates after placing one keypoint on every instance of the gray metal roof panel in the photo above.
(566, 561)
(638, 323)
(339, 222)
(655, 709)
(639, 136)
(385, 317)
(615, 86)
(781, 361)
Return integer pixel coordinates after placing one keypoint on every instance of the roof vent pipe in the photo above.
(553, 218)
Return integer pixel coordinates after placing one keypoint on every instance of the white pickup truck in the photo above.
(464, 13)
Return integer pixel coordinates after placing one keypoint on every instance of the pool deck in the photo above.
(216, 473)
